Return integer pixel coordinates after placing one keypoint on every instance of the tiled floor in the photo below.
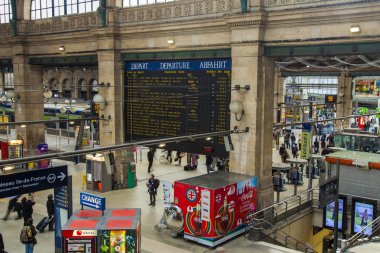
(137, 197)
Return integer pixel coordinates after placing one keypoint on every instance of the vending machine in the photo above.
(43, 149)
(15, 149)
(216, 206)
(91, 231)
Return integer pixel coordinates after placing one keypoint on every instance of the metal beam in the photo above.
(323, 49)
(196, 54)
(321, 121)
(47, 121)
(116, 147)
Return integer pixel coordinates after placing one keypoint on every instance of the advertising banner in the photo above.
(367, 88)
(305, 141)
(166, 186)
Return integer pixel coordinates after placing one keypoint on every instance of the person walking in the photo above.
(50, 211)
(13, 206)
(28, 236)
(293, 139)
(286, 140)
(27, 207)
(316, 146)
(169, 156)
(294, 150)
(152, 185)
(282, 152)
(2, 247)
(209, 163)
(178, 157)
(150, 159)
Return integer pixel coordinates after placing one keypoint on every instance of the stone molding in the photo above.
(175, 10)
(5, 30)
(64, 23)
(283, 5)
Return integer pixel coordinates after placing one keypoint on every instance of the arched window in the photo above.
(131, 3)
(53, 84)
(5, 11)
(53, 8)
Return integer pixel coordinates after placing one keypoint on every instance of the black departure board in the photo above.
(182, 97)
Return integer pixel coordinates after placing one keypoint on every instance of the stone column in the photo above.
(253, 150)
(344, 106)
(111, 71)
(30, 105)
(279, 95)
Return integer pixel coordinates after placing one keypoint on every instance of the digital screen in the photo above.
(329, 214)
(363, 215)
(174, 98)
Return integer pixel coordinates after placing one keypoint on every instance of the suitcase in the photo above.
(187, 167)
(42, 224)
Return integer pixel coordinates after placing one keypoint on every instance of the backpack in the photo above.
(156, 183)
(25, 235)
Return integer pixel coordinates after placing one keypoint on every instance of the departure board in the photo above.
(182, 97)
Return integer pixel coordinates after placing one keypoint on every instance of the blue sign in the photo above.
(210, 64)
(306, 127)
(92, 201)
(287, 99)
(32, 181)
(63, 208)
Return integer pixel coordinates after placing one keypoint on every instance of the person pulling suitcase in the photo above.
(50, 211)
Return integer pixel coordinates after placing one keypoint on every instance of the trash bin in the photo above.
(328, 241)
(131, 175)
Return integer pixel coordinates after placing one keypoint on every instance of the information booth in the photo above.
(117, 231)
(216, 206)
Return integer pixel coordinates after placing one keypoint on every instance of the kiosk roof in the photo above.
(215, 180)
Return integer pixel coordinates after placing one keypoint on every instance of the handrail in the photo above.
(357, 238)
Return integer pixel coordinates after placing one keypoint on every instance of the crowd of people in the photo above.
(24, 211)
(320, 145)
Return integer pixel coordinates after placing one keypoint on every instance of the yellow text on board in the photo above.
(305, 145)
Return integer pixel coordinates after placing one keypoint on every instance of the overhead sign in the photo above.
(63, 208)
(331, 99)
(328, 192)
(305, 141)
(32, 181)
(92, 201)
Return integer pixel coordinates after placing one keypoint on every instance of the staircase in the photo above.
(266, 223)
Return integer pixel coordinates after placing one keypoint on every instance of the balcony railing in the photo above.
(281, 5)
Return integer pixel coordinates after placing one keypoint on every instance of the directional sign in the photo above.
(32, 181)
(92, 201)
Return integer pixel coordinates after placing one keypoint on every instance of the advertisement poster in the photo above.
(367, 88)
(206, 205)
(166, 186)
(118, 241)
(329, 220)
(305, 141)
(363, 217)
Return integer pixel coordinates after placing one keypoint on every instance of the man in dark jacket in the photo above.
(152, 189)
(316, 146)
(150, 160)
(27, 207)
(50, 211)
(12, 205)
(209, 163)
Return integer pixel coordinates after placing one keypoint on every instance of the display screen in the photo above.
(328, 215)
(174, 98)
(364, 212)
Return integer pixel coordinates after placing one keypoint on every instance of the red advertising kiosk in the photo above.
(117, 231)
(215, 206)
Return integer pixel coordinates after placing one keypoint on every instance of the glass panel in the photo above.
(5, 11)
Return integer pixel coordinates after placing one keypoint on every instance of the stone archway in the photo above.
(66, 88)
(83, 90)
(93, 87)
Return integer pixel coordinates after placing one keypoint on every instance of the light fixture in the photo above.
(171, 42)
(236, 107)
(10, 94)
(61, 48)
(100, 100)
(72, 122)
(355, 29)
(62, 110)
(307, 66)
(162, 145)
(208, 139)
(47, 94)
(23, 125)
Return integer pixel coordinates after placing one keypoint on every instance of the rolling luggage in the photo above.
(42, 224)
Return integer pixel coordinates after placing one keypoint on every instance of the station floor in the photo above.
(152, 240)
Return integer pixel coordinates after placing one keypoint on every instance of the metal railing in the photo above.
(362, 236)
(267, 218)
